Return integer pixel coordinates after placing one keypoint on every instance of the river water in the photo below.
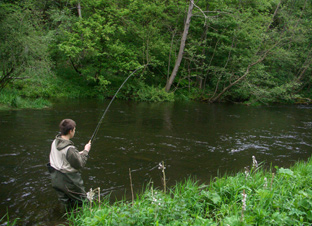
(193, 139)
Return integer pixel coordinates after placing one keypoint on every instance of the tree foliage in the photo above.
(23, 49)
(253, 51)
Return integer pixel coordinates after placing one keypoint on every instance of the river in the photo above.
(193, 139)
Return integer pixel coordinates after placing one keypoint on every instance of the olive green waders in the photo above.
(69, 186)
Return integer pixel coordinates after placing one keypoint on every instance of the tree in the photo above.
(113, 39)
(23, 49)
(182, 46)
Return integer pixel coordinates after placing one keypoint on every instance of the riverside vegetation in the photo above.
(277, 196)
(252, 52)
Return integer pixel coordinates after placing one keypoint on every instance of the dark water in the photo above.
(193, 139)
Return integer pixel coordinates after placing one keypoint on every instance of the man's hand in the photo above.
(88, 146)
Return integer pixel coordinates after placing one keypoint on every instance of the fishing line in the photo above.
(100, 122)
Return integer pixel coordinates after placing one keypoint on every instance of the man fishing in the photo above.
(66, 160)
(65, 163)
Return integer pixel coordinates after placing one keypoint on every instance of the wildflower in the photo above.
(254, 162)
(161, 167)
(244, 204)
(246, 172)
(244, 200)
(156, 201)
(265, 183)
(90, 195)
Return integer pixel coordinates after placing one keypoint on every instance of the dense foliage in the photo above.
(253, 51)
(276, 197)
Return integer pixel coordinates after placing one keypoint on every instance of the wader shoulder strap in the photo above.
(50, 168)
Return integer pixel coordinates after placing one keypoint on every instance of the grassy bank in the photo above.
(259, 197)
(11, 99)
(36, 93)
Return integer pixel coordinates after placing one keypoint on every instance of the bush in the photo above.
(154, 94)
(11, 99)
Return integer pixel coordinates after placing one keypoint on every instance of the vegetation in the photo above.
(254, 51)
(255, 197)
(8, 222)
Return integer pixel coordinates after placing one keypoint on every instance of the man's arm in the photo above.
(77, 159)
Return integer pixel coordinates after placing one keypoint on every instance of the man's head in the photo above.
(67, 126)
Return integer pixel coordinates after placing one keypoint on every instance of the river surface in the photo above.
(193, 139)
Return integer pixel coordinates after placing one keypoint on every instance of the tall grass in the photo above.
(272, 197)
(6, 220)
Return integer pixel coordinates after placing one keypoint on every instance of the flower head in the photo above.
(246, 172)
(265, 183)
(244, 200)
(161, 167)
(254, 162)
(90, 195)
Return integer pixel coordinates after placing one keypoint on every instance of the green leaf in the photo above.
(287, 172)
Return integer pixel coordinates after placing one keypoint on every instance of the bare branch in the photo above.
(205, 16)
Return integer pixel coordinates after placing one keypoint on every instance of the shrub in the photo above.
(153, 94)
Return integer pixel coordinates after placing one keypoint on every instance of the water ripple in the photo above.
(11, 180)
(10, 154)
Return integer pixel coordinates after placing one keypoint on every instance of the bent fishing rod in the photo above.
(100, 122)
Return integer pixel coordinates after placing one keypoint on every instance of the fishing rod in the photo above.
(100, 122)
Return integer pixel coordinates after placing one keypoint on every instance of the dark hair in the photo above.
(66, 125)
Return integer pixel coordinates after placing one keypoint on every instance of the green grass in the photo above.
(6, 220)
(36, 92)
(11, 99)
(283, 198)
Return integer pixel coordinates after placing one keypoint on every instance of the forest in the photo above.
(256, 52)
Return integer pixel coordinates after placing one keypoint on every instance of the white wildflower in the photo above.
(90, 195)
(161, 167)
(244, 201)
(246, 172)
(254, 162)
(265, 183)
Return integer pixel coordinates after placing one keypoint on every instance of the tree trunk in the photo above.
(182, 46)
(79, 9)
(172, 39)
(5, 79)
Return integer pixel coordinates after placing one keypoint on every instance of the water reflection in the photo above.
(193, 139)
